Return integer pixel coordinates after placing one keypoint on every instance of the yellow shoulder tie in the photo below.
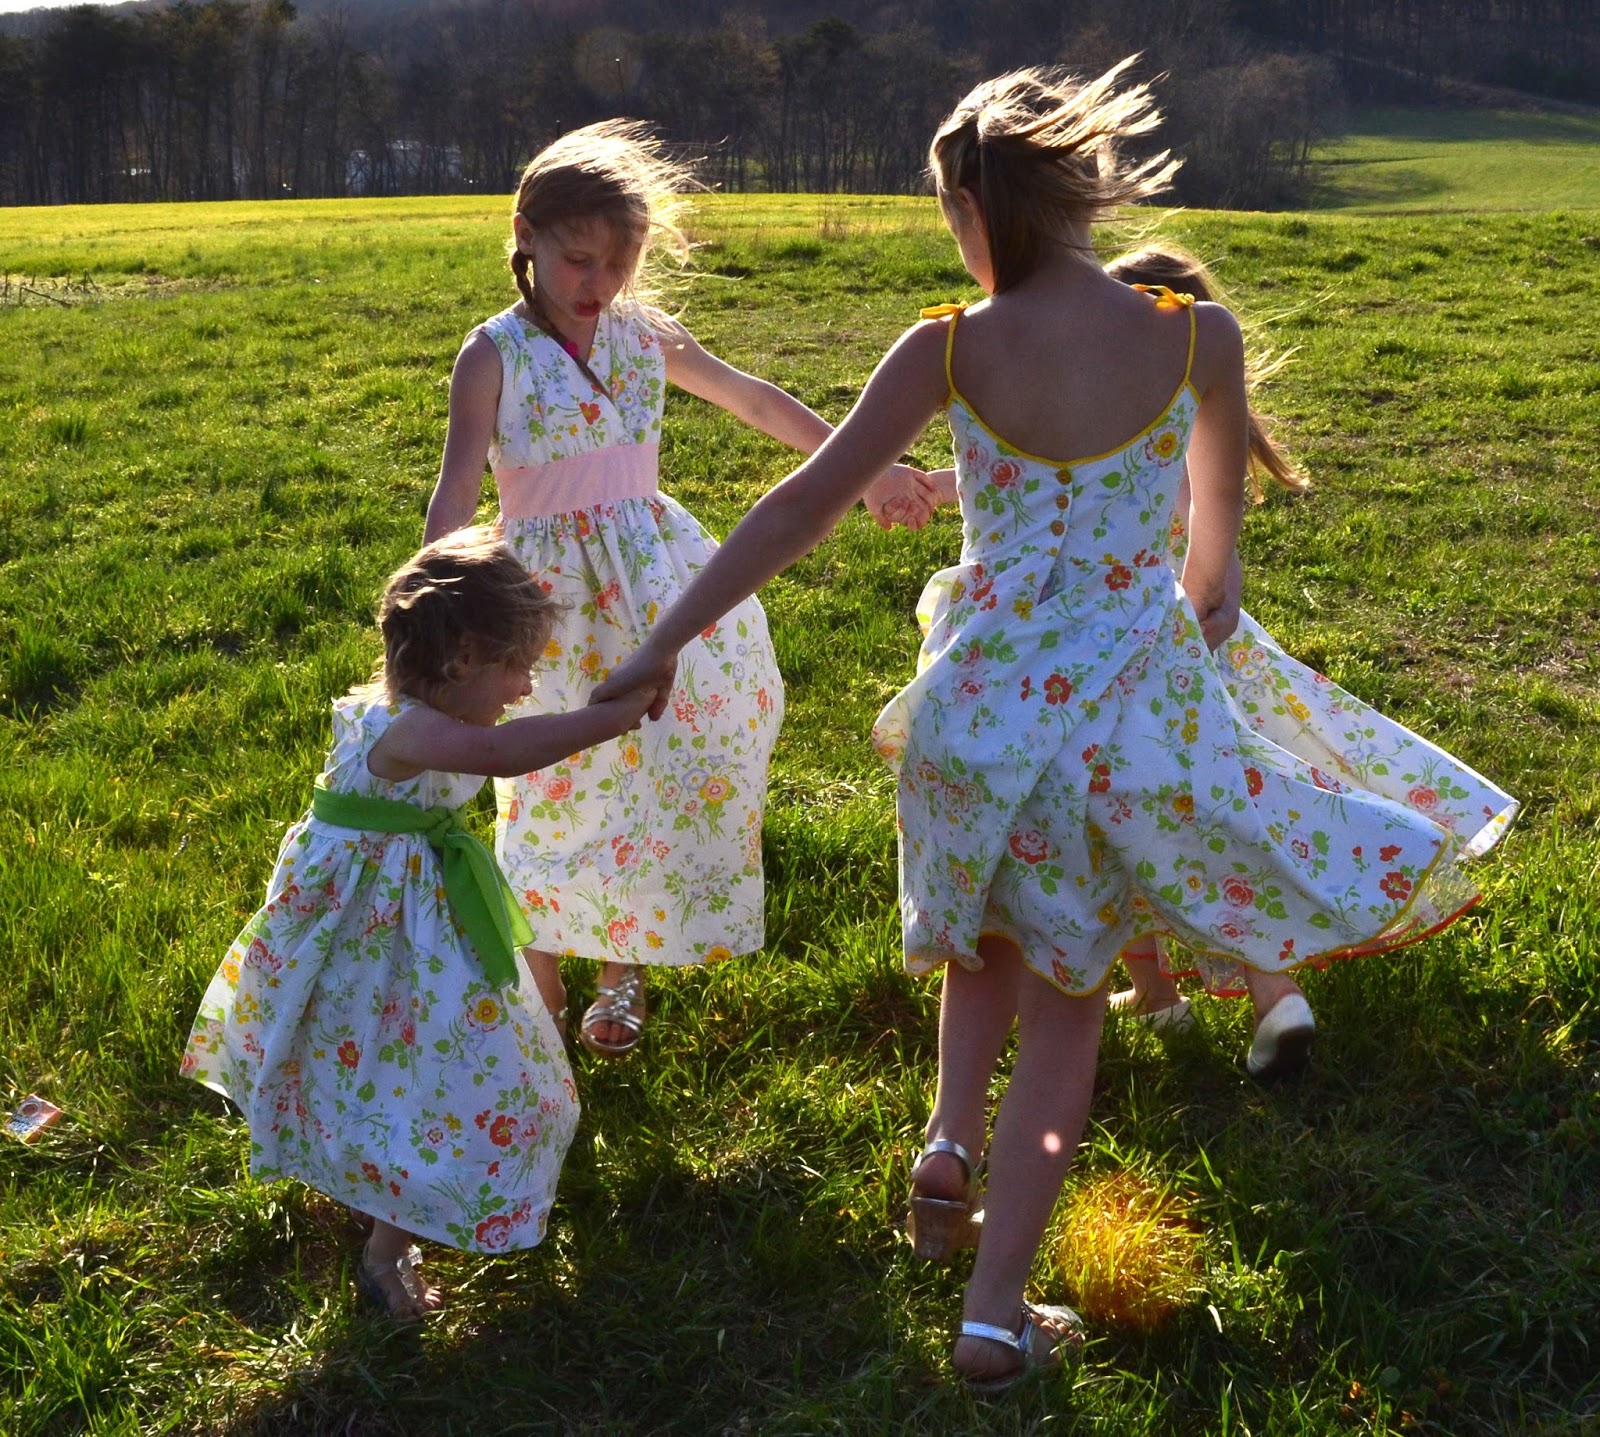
(939, 311)
(1166, 298)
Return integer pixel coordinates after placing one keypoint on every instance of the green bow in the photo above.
(480, 898)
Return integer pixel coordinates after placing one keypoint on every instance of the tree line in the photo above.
(225, 99)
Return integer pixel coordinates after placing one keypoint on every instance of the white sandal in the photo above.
(1041, 1348)
(406, 1271)
(1174, 1018)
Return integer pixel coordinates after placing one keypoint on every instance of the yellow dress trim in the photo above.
(953, 311)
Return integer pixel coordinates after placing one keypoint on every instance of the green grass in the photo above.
(210, 466)
(1394, 160)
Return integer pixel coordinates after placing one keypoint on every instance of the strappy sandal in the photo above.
(938, 1227)
(621, 1003)
(1040, 1348)
(369, 1287)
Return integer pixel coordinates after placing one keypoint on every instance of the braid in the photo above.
(519, 268)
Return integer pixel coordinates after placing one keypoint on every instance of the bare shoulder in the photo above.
(671, 331)
(925, 342)
(478, 373)
(397, 753)
(1218, 344)
(479, 353)
(689, 366)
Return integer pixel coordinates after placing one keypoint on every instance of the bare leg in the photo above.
(1266, 989)
(545, 969)
(1152, 990)
(1036, 1134)
(975, 1015)
(379, 1260)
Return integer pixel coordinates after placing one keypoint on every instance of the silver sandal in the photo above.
(621, 1003)
(371, 1292)
(939, 1227)
(1026, 1343)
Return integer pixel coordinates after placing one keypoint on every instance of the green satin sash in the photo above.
(481, 900)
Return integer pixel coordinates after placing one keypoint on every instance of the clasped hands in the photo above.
(902, 495)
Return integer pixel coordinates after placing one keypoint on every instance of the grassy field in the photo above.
(222, 435)
(1395, 160)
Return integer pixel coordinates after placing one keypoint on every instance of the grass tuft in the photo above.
(1128, 1251)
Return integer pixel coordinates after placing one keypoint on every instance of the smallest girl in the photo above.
(367, 1019)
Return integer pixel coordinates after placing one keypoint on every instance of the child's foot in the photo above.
(944, 1197)
(1281, 1047)
(613, 1022)
(396, 1286)
(1173, 1016)
(991, 1358)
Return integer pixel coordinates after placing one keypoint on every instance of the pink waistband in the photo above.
(619, 471)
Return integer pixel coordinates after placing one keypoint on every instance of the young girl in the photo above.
(367, 1019)
(648, 850)
(1072, 774)
(1306, 715)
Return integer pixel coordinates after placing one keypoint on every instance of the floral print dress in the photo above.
(1072, 772)
(353, 1025)
(646, 848)
(1340, 737)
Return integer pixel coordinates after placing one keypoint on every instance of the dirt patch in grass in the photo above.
(22, 291)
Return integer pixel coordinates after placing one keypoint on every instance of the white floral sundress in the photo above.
(1072, 773)
(1332, 731)
(353, 1025)
(646, 848)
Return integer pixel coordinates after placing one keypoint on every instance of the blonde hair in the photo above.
(465, 586)
(614, 172)
(1039, 148)
(1183, 272)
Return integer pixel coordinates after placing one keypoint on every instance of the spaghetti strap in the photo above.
(1168, 298)
(953, 312)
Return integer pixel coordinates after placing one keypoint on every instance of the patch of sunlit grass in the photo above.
(1129, 1250)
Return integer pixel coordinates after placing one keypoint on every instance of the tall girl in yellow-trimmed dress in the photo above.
(1072, 775)
(368, 1019)
(647, 850)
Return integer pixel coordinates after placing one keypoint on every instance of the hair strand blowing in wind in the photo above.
(1041, 150)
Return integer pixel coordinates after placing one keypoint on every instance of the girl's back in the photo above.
(1078, 365)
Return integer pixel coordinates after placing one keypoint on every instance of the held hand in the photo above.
(627, 710)
(1218, 609)
(644, 677)
(900, 495)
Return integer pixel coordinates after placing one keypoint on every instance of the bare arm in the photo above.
(905, 391)
(895, 495)
(759, 404)
(942, 485)
(474, 403)
(1217, 626)
(424, 738)
(1218, 456)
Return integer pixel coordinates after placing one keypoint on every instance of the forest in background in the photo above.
(226, 99)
